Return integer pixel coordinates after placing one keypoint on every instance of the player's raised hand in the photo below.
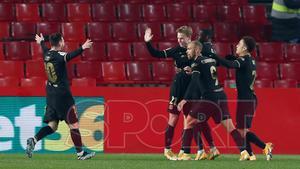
(87, 44)
(148, 35)
(181, 104)
(38, 38)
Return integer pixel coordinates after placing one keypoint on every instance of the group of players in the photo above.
(196, 92)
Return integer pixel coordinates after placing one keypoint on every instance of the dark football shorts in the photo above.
(245, 112)
(69, 117)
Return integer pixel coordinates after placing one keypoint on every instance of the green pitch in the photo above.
(141, 161)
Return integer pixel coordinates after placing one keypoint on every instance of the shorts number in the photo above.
(253, 80)
(213, 72)
(52, 77)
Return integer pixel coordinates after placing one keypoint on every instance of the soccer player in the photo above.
(60, 103)
(178, 87)
(213, 103)
(247, 101)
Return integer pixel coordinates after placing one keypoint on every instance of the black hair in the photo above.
(249, 42)
(55, 38)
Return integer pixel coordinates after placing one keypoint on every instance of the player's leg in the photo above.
(213, 151)
(72, 121)
(201, 154)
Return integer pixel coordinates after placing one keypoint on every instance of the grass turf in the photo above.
(141, 161)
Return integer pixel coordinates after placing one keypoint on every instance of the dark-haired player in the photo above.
(247, 101)
(60, 103)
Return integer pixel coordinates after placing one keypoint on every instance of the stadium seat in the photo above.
(35, 68)
(36, 50)
(222, 49)
(169, 30)
(254, 14)
(229, 83)
(99, 31)
(229, 13)
(17, 50)
(71, 70)
(223, 32)
(47, 28)
(96, 53)
(124, 31)
(139, 72)
(154, 12)
(140, 51)
(264, 83)
(5, 28)
(54, 12)
(197, 26)
(2, 56)
(79, 12)
(177, 12)
(204, 13)
(27, 12)
(271, 52)
(102, 12)
(33, 82)
(288, 83)
(89, 69)
(135, 1)
(163, 71)
(293, 52)
(161, 1)
(187, 1)
(9, 82)
(155, 28)
(7, 12)
(118, 51)
(23, 30)
(290, 71)
(74, 31)
(231, 74)
(266, 70)
(222, 74)
(236, 2)
(129, 12)
(11, 68)
(84, 82)
(212, 2)
(114, 72)
(71, 46)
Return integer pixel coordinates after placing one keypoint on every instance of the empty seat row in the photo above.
(287, 83)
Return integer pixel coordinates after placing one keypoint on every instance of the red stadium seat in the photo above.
(118, 51)
(129, 12)
(99, 31)
(222, 74)
(2, 56)
(229, 84)
(212, 2)
(104, 12)
(4, 33)
(11, 68)
(267, 71)
(9, 82)
(71, 70)
(179, 12)
(23, 30)
(293, 52)
(187, 1)
(263, 83)
(124, 31)
(140, 51)
(54, 12)
(114, 72)
(71, 46)
(197, 26)
(222, 49)
(7, 12)
(288, 83)
(255, 14)
(95, 53)
(154, 12)
(155, 27)
(271, 52)
(163, 71)
(84, 82)
(79, 12)
(73, 31)
(35, 68)
(139, 72)
(17, 50)
(135, 1)
(223, 32)
(205, 13)
(33, 82)
(290, 71)
(161, 1)
(89, 69)
(236, 2)
(27, 12)
(169, 31)
(36, 50)
(228, 13)
(47, 28)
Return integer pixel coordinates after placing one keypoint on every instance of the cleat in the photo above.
(170, 155)
(180, 154)
(244, 156)
(85, 155)
(185, 157)
(268, 151)
(201, 155)
(30, 147)
(252, 157)
(213, 153)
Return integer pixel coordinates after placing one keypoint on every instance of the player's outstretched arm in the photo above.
(87, 44)
(41, 40)
(227, 63)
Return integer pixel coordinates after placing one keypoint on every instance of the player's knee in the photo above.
(228, 125)
(173, 119)
(74, 126)
(53, 126)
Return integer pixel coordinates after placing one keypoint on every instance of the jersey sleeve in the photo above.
(160, 53)
(236, 64)
(44, 47)
(69, 56)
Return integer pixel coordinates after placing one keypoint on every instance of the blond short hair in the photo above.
(186, 30)
(196, 44)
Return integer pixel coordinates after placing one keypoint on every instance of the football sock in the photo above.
(251, 137)
(76, 137)
(45, 131)
(238, 139)
(207, 134)
(187, 140)
(248, 147)
(169, 136)
(197, 136)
